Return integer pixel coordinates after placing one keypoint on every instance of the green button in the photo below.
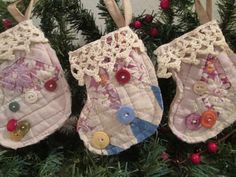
(24, 126)
(14, 106)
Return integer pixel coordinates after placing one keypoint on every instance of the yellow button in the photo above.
(16, 135)
(200, 88)
(100, 140)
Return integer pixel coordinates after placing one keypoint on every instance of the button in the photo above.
(22, 129)
(16, 135)
(14, 106)
(100, 140)
(24, 126)
(11, 125)
(125, 115)
(123, 76)
(192, 121)
(208, 119)
(31, 97)
(50, 85)
(200, 88)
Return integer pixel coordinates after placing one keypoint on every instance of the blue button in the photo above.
(125, 115)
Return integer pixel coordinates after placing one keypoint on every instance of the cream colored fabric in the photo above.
(121, 49)
(27, 56)
(201, 55)
(89, 59)
(185, 49)
(20, 37)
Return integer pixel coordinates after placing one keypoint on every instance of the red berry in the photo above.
(195, 158)
(165, 4)
(137, 24)
(7, 23)
(11, 125)
(148, 18)
(212, 147)
(153, 32)
(164, 156)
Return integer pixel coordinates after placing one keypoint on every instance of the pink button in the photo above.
(11, 125)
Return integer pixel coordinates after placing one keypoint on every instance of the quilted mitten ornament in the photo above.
(34, 95)
(204, 68)
(124, 105)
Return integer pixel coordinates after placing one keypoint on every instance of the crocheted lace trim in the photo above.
(19, 37)
(203, 40)
(103, 53)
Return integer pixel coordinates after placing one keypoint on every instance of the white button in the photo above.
(31, 97)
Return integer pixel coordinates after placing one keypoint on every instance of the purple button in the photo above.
(192, 121)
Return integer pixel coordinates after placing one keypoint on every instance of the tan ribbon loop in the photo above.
(29, 10)
(128, 11)
(15, 12)
(116, 14)
(204, 15)
(209, 9)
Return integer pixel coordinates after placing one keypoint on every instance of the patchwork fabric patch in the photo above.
(34, 95)
(124, 105)
(204, 68)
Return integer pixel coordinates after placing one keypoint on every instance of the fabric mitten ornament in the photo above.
(124, 105)
(204, 68)
(34, 95)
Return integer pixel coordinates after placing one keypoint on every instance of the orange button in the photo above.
(208, 119)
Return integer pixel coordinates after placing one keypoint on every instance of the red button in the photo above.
(123, 76)
(11, 125)
(50, 85)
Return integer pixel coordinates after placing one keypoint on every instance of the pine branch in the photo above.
(52, 164)
(12, 165)
(227, 11)
(83, 20)
(54, 15)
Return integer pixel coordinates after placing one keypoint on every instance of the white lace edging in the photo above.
(201, 41)
(103, 53)
(19, 37)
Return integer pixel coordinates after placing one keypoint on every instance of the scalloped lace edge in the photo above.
(201, 41)
(20, 38)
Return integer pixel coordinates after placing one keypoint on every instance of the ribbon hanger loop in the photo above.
(119, 19)
(15, 12)
(204, 15)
